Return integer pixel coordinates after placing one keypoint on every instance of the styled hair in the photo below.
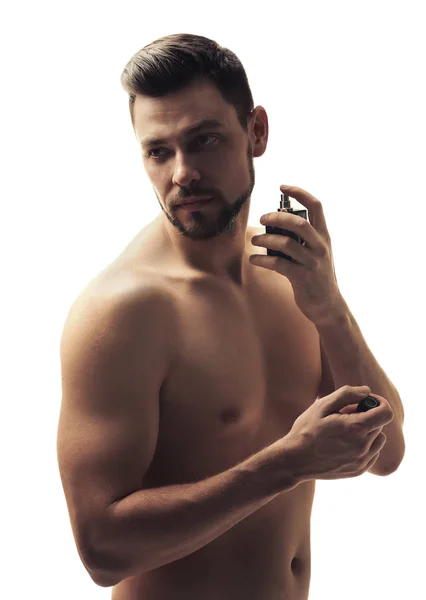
(173, 62)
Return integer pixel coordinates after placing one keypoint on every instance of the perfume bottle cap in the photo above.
(285, 201)
(367, 404)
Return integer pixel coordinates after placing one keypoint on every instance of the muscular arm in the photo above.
(153, 527)
(115, 355)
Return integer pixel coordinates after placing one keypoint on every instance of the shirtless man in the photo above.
(191, 382)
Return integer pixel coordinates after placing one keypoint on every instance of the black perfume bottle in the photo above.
(285, 207)
(367, 404)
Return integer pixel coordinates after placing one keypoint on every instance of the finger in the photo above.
(275, 263)
(348, 410)
(343, 397)
(284, 244)
(297, 225)
(314, 206)
(372, 419)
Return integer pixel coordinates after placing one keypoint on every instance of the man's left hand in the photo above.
(312, 275)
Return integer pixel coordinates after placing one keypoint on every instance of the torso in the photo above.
(248, 364)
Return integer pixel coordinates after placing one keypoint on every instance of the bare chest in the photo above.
(246, 366)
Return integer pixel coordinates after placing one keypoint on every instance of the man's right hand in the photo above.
(333, 445)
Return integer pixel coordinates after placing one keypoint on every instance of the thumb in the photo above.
(343, 396)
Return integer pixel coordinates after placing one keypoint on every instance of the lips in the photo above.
(193, 199)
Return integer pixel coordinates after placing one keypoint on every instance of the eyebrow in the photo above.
(211, 123)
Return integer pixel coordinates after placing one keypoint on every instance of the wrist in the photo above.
(282, 461)
(335, 316)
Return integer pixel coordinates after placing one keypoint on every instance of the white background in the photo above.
(343, 86)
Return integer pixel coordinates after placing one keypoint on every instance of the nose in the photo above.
(185, 172)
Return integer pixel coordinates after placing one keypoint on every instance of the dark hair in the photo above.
(172, 62)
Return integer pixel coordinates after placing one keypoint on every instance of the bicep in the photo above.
(114, 360)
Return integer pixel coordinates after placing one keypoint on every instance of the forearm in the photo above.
(352, 363)
(153, 527)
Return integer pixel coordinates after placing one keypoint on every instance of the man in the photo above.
(198, 405)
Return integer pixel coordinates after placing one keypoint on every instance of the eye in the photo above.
(200, 137)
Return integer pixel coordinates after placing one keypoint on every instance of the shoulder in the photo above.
(121, 309)
(254, 230)
(251, 231)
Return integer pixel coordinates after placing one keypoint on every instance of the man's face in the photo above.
(212, 161)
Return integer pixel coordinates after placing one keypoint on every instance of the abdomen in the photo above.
(264, 557)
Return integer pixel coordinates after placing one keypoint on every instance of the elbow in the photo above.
(99, 572)
(395, 463)
(104, 579)
(384, 468)
(99, 564)
(392, 453)
(105, 567)
(394, 466)
(383, 471)
(387, 464)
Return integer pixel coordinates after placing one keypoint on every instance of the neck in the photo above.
(221, 254)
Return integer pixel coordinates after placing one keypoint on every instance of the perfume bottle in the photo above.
(367, 404)
(285, 207)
